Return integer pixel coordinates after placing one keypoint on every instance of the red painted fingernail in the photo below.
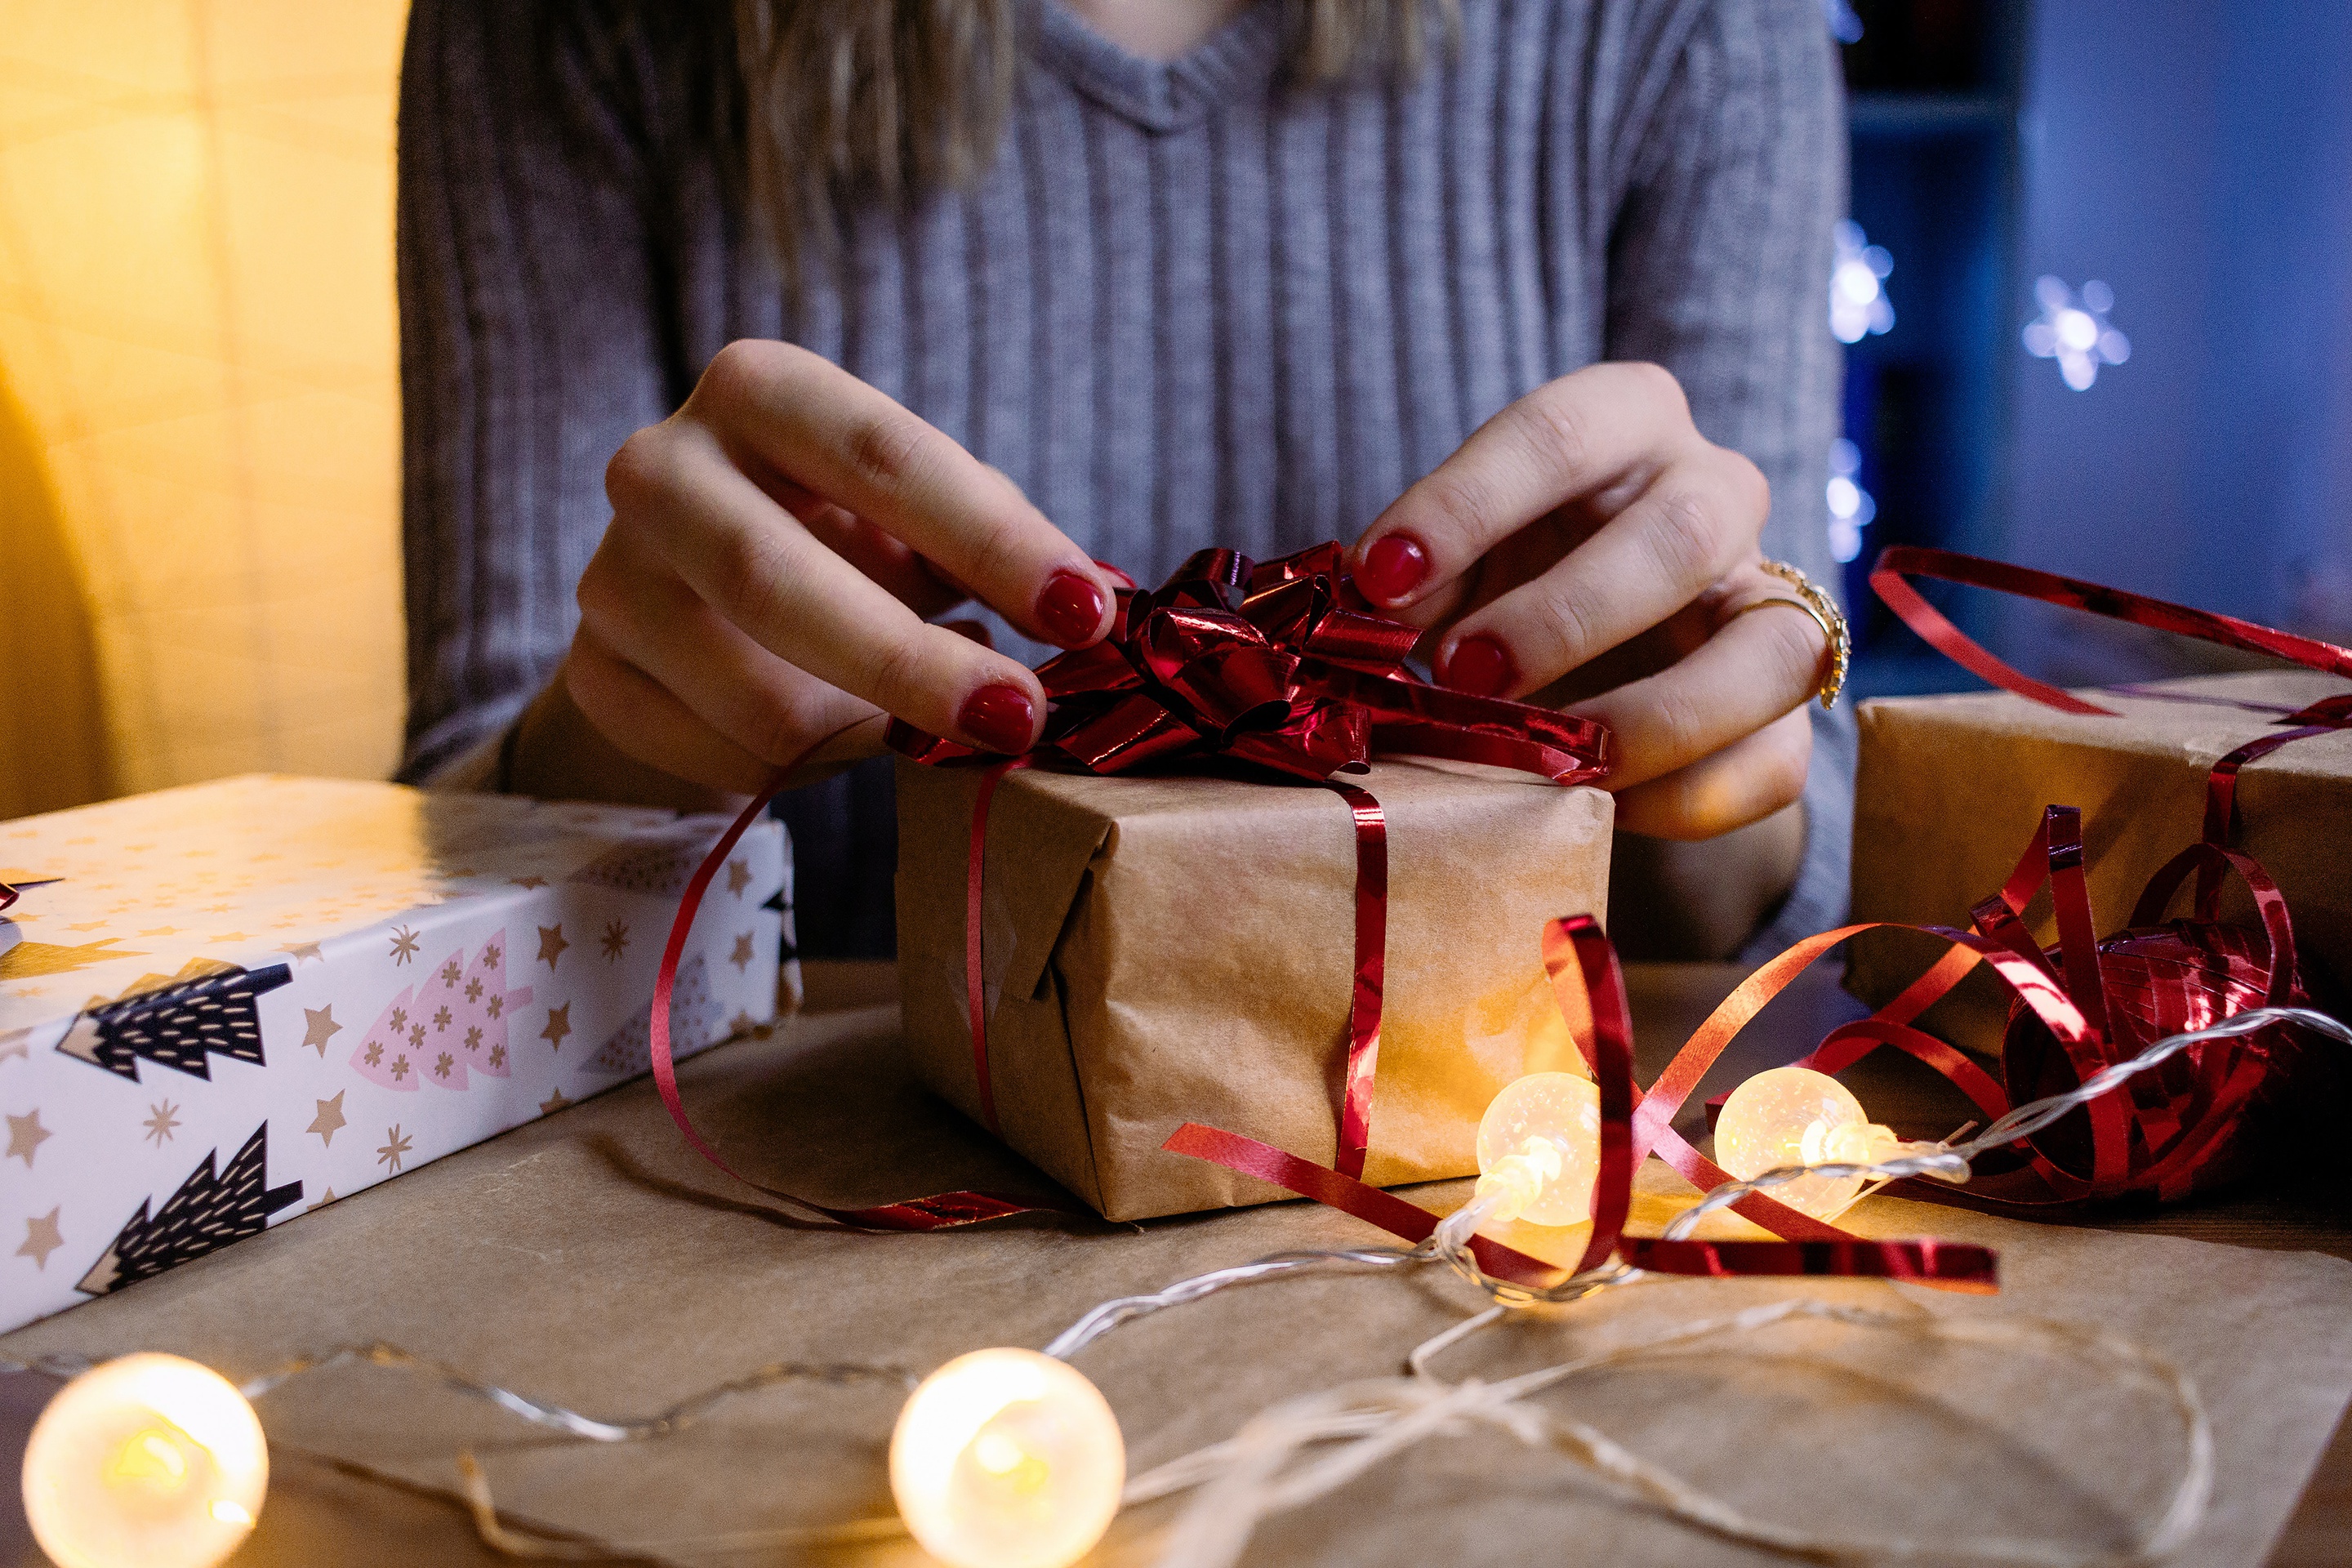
(1070, 608)
(1393, 567)
(999, 716)
(1481, 665)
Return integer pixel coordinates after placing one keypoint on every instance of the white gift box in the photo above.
(226, 1005)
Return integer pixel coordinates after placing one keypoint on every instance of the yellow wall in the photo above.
(199, 402)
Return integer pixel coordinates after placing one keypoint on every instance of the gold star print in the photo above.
(494, 1006)
(323, 1203)
(159, 1126)
(394, 1149)
(26, 1134)
(329, 1122)
(404, 945)
(616, 940)
(230, 936)
(162, 930)
(559, 1023)
(323, 1026)
(742, 957)
(553, 1103)
(739, 876)
(302, 950)
(441, 1020)
(41, 1238)
(88, 925)
(551, 944)
(490, 956)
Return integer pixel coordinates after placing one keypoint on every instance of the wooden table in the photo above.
(318, 1513)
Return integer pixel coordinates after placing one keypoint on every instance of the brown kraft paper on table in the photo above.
(591, 1259)
(1947, 787)
(1163, 950)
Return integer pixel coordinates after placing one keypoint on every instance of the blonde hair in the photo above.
(890, 99)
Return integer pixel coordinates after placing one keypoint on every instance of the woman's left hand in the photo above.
(1587, 548)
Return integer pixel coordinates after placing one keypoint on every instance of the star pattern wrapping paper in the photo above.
(226, 1005)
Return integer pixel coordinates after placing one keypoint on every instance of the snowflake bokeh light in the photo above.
(1858, 303)
(1851, 506)
(2074, 331)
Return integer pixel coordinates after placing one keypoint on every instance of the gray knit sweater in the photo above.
(1190, 304)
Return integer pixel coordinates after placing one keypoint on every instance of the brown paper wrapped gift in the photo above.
(1949, 789)
(1160, 950)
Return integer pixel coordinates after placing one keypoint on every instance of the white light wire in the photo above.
(1951, 1164)
(1305, 1448)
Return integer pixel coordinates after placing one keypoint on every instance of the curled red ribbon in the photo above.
(2183, 1126)
(1632, 1124)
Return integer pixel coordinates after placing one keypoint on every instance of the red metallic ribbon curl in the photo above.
(2186, 1126)
(1632, 1124)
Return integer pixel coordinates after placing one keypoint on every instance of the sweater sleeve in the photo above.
(1719, 267)
(531, 345)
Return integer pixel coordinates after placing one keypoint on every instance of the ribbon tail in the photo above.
(1371, 964)
(1248, 1157)
(941, 1211)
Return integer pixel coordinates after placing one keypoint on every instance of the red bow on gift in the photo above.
(1299, 675)
(1296, 674)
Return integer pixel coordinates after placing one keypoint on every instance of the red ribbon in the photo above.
(1576, 955)
(2180, 1128)
(941, 1211)
(1295, 674)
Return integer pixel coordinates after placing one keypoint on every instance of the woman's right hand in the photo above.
(776, 548)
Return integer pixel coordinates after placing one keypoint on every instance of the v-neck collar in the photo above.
(1241, 57)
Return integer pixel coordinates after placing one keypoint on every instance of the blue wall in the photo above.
(2195, 154)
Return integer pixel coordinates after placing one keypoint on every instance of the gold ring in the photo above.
(1819, 607)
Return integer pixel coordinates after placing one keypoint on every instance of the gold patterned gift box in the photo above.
(224, 1006)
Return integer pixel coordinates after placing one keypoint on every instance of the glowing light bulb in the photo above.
(1795, 1116)
(1539, 1150)
(148, 1461)
(1006, 1459)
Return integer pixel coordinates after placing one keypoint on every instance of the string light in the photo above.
(148, 1461)
(1007, 1458)
(1539, 1150)
(1795, 1116)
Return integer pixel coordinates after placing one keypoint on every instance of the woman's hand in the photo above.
(774, 549)
(1589, 548)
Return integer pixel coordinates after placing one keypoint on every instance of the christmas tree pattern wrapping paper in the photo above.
(224, 1006)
